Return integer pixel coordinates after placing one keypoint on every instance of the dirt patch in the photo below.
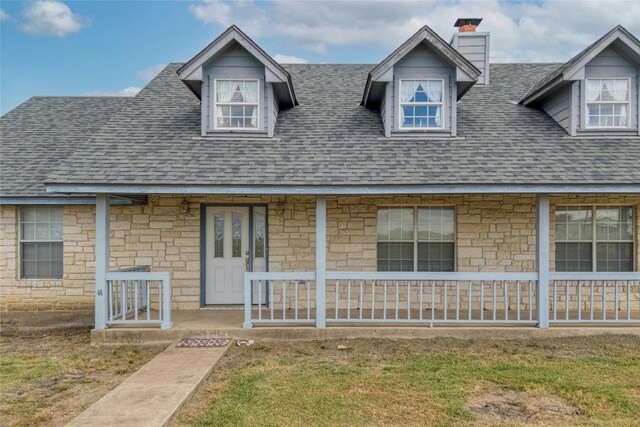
(520, 407)
(47, 377)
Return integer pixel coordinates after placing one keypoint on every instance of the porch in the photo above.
(359, 301)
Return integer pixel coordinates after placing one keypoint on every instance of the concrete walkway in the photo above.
(153, 394)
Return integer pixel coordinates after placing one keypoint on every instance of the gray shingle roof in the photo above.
(329, 139)
(42, 132)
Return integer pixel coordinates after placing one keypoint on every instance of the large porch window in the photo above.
(416, 239)
(594, 238)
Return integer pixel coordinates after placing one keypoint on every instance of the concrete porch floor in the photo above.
(227, 322)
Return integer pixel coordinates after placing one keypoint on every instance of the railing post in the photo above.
(247, 303)
(321, 261)
(542, 259)
(166, 303)
(102, 259)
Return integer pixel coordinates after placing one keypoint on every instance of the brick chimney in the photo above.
(473, 45)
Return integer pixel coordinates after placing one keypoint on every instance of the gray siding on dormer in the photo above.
(234, 63)
(383, 112)
(609, 64)
(558, 106)
(420, 63)
(273, 108)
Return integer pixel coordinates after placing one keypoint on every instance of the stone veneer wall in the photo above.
(494, 233)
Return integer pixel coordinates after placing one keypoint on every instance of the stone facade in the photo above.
(493, 233)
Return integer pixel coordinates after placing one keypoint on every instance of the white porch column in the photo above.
(321, 261)
(542, 260)
(102, 258)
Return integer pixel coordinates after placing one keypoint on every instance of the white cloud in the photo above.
(51, 18)
(150, 72)
(289, 59)
(3, 15)
(520, 31)
(127, 91)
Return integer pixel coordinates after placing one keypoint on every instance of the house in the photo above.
(432, 188)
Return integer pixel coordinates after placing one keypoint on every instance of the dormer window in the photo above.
(236, 104)
(421, 104)
(607, 103)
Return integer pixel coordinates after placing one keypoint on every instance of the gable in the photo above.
(466, 74)
(422, 58)
(618, 39)
(192, 73)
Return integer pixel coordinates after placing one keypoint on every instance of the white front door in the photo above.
(227, 251)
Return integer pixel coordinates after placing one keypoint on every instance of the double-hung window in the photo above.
(237, 104)
(594, 238)
(607, 103)
(41, 242)
(416, 239)
(421, 104)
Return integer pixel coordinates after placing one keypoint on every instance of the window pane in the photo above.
(400, 223)
(218, 233)
(573, 256)
(42, 231)
(236, 235)
(56, 251)
(56, 270)
(259, 230)
(436, 223)
(614, 256)
(573, 223)
(56, 215)
(28, 231)
(614, 223)
(28, 269)
(395, 256)
(383, 224)
(42, 214)
(56, 231)
(435, 256)
(28, 214)
(28, 251)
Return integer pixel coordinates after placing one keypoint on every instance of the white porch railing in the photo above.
(131, 292)
(431, 297)
(595, 297)
(279, 298)
(440, 298)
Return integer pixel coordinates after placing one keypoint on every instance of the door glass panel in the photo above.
(218, 233)
(236, 235)
(259, 240)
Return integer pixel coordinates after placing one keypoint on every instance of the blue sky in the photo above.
(115, 47)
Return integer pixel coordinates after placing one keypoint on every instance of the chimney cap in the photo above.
(467, 21)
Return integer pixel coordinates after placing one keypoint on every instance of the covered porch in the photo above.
(329, 294)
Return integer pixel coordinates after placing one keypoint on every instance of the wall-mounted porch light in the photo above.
(184, 207)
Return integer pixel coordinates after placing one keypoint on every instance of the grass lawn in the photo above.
(560, 381)
(49, 377)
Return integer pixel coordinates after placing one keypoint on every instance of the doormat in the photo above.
(203, 342)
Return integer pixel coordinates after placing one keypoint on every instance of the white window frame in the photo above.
(428, 104)
(236, 104)
(594, 240)
(416, 240)
(587, 103)
(22, 240)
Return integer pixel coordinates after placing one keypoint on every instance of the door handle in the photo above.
(246, 263)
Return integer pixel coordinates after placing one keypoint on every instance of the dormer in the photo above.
(416, 87)
(241, 88)
(596, 92)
